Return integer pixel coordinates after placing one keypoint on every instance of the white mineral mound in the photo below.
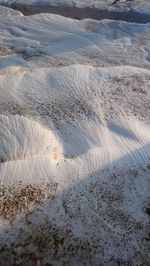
(51, 40)
(74, 141)
(24, 139)
(79, 127)
(8, 12)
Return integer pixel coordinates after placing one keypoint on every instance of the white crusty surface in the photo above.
(74, 141)
(44, 40)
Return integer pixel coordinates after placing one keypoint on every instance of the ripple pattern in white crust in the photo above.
(76, 141)
(74, 144)
(81, 113)
(24, 139)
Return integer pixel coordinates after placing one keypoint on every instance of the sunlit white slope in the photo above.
(82, 113)
(75, 140)
(8, 12)
(75, 165)
(23, 139)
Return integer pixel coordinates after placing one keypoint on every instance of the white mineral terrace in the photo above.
(74, 139)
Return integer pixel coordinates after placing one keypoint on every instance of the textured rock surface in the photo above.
(74, 141)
